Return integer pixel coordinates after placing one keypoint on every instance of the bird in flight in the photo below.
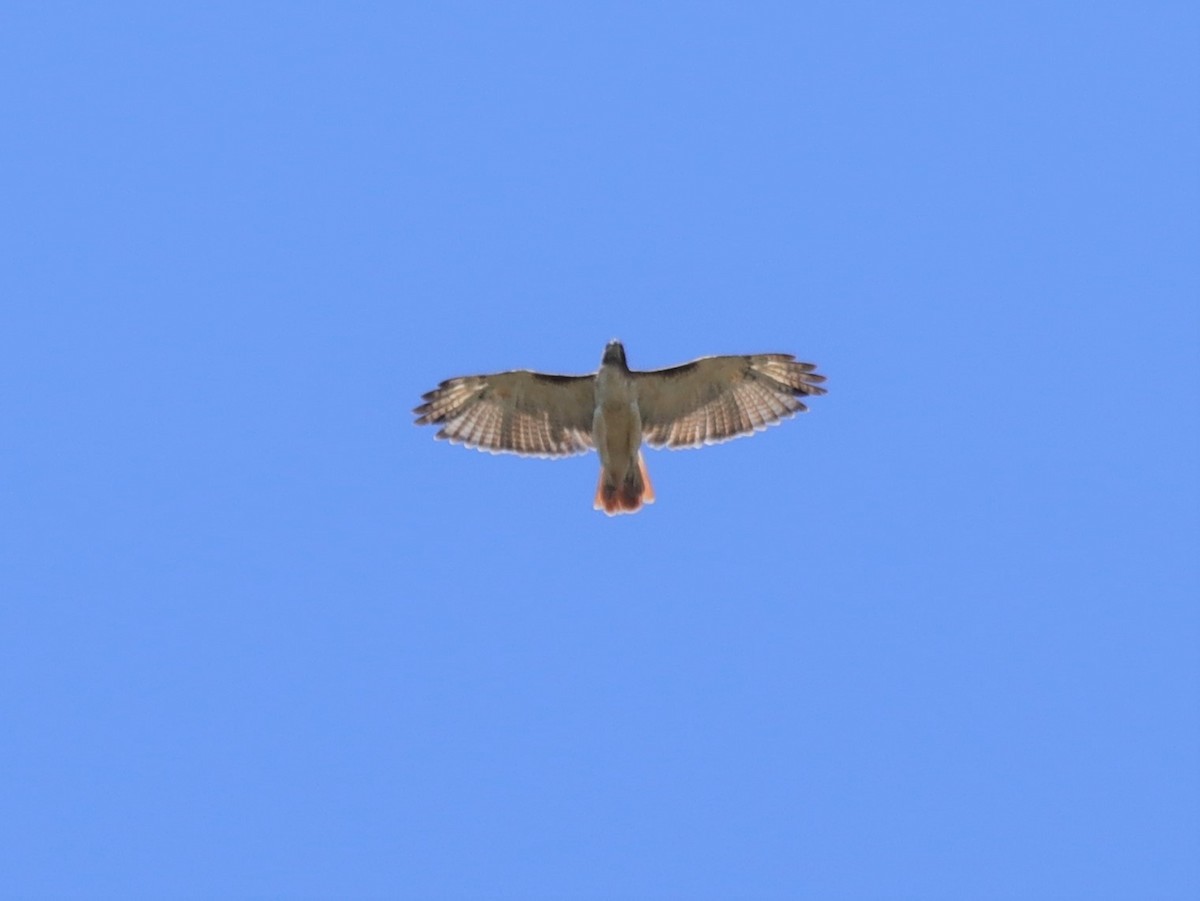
(616, 409)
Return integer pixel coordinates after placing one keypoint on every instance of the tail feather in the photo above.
(628, 497)
(606, 495)
(647, 488)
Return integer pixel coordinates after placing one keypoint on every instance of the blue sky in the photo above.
(262, 637)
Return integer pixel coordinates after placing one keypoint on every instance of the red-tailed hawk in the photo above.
(706, 401)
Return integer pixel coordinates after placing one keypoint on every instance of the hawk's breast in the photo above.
(617, 425)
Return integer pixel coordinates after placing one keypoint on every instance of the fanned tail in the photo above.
(629, 496)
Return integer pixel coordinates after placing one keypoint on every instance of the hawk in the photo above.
(706, 401)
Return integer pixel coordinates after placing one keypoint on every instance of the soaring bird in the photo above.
(615, 409)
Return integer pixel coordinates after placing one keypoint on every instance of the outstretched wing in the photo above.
(517, 412)
(714, 399)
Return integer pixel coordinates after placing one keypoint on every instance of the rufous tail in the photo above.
(629, 495)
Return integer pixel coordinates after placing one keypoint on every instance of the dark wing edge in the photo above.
(521, 412)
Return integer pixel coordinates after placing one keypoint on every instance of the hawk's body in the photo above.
(706, 401)
(617, 434)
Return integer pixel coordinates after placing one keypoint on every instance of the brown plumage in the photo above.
(706, 401)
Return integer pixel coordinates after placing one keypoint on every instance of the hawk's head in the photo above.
(614, 354)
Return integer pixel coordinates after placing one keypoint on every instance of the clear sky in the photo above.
(262, 637)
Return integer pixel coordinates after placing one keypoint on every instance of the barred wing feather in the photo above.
(714, 399)
(518, 412)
